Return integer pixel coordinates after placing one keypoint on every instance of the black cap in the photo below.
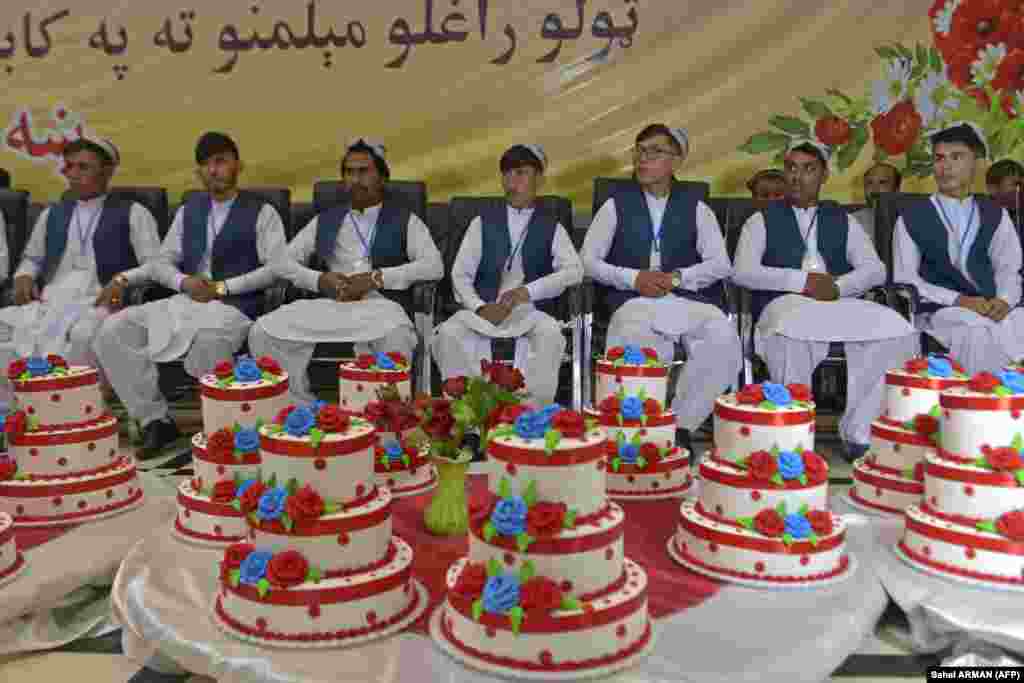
(214, 143)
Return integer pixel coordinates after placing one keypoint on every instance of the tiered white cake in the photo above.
(643, 460)
(970, 525)
(405, 470)
(361, 380)
(762, 516)
(12, 562)
(891, 475)
(546, 589)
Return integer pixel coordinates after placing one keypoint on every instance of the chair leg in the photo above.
(577, 364)
(587, 360)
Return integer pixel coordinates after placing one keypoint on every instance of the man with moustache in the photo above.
(882, 177)
(767, 185)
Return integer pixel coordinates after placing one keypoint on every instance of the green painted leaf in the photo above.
(791, 125)
(287, 522)
(493, 567)
(815, 109)
(569, 521)
(530, 493)
(570, 603)
(489, 531)
(760, 143)
(263, 587)
(478, 609)
(527, 571)
(515, 615)
(988, 525)
(616, 463)
(767, 405)
(523, 541)
(777, 479)
(234, 577)
(504, 488)
(746, 522)
(236, 505)
(552, 438)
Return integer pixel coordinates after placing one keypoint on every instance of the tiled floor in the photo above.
(883, 658)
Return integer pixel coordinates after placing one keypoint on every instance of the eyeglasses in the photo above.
(653, 153)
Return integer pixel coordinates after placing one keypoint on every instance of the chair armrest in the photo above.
(569, 303)
(904, 298)
(276, 295)
(588, 292)
(136, 295)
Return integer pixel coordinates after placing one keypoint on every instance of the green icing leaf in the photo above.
(405, 459)
(236, 505)
(287, 522)
(253, 519)
(552, 438)
(489, 531)
(787, 539)
(569, 521)
(746, 522)
(259, 422)
(523, 541)
(616, 463)
(314, 574)
(781, 508)
(385, 461)
(803, 479)
(1020, 477)
(272, 482)
(767, 405)
(330, 507)
(590, 424)
(774, 450)
(1002, 391)
(263, 587)
(315, 437)
(267, 377)
(530, 494)
(527, 571)
(504, 488)
(236, 427)
(570, 603)
(515, 615)
(804, 509)
(982, 462)
(478, 609)
(936, 411)
(234, 577)
(813, 538)
(642, 395)
(1018, 442)
(274, 429)
(493, 567)
(988, 525)
(777, 479)
(619, 419)
(643, 419)
(224, 383)
(641, 462)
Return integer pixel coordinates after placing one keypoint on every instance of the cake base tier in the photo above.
(669, 478)
(14, 571)
(402, 482)
(926, 566)
(855, 501)
(202, 522)
(610, 634)
(883, 491)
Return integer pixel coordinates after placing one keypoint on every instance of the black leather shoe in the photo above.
(156, 436)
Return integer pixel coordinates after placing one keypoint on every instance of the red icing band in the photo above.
(378, 376)
(319, 596)
(762, 544)
(875, 467)
(745, 481)
(981, 402)
(657, 466)
(649, 493)
(985, 478)
(938, 384)
(558, 458)
(7, 534)
(959, 571)
(606, 368)
(844, 562)
(771, 419)
(18, 564)
(239, 395)
(326, 527)
(208, 506)
(304, 449)
(876, 506)
(965, 540)
(252, 458)
(73, 516)
(914, 487)
(40, 438)
(398, 465)
(612, 421)
(82, 379)
(556, 545)
(205, 537)
(962, 520)
(22, 491)
(903, 437)
(120, 462)
(372, 567)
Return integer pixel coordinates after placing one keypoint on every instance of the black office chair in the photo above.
(14, 204)
(565, 309)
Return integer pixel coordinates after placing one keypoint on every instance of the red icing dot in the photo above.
(621, 631)
(970, 553)
(968, 491)
(511, 469)
(88, 409)
(246, 407)
(92, 446)
(81, 505)
(62, 461)
(643, 432)
(320, 464)
(744, 431)
(490, 632)
(220, 469)
(261, 624)
(545, 657)
(217, 530)
(878, 492)
(110, 494)
(360, 489)
(509, 558)
(20, 509)
(566, 586)
(609, 554)
(113, 452)
(655, 484)
(31, 410)
(1015, 414)
(713, 547)
(906, 391)
(314, 611)
(391, 483)
(719, 510)
(57, 501)
(55, 398)
(188, 513)
(810, 428)
(896, 448)
(945, 414)
(343, 539)
(344, 401)
(755, 495)
(371, 617)
(631, 479)
(359, 387)
(668, 475)
(934, 501)
(805, 560)
(759, 567)
(600, 465)
(618, 380)
(33, 452)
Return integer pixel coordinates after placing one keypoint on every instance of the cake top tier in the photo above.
(391, 361)
(633, 355)
(245, 372)
(1006, 383)
(316, 423)
(626, 408)
(932, 367)
(544, 428)
(771, 398)
(795, 468)
(25, 372)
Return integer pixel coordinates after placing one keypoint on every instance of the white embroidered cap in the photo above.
(823, 149)
(537, 151)
(972, 129)
(377, 146)
(683, 138)
(107, 146)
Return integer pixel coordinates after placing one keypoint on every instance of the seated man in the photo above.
(964, 257)
(215, 254)
(767, 185)
(83, 252)
(374, 251)
(658, 253)
(881, 177)
(513, 260)
(805, 263)
(1003, 180)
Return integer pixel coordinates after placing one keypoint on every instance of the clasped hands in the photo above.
(497, 312)
(995, 309)
(346, 287)
(821, 287)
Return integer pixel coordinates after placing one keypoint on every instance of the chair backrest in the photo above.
(606, 187)
(15, 207)
(437, 223)
(737, 211)
(302, 214)
(412, 193)
(278, 197)
(888, 209)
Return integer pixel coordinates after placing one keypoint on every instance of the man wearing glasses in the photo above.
(658, 255)
(372, 251)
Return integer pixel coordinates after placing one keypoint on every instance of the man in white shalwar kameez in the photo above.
(964, 256)
(805, 263)
(659, 255)
(82, 253)
(514, 261)
(216, 254)
(373, 251)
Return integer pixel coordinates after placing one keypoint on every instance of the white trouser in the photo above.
(976, 342)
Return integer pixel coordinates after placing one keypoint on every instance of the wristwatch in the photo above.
(378, 278)
(220, 288)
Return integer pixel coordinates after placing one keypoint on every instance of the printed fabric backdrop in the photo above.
(448, 85)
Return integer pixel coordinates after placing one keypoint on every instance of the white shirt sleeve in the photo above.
(35, 250)
(907, 262)
(424, 259)
(566, 265)
(714, 264)
(868, 270)
(598, 242)
(145, 240)
(165, 269)
(750, 273)
(1005, 253)
(5, 259)
(270, 242)
(292, 261)
(467, 263)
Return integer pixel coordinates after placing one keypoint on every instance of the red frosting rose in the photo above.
(956, 366)
(507, 377)
(268, 364)
(762, 465)
(331, 420)
(814, 467)
(650, 353)
(540, 593)
(221, 446)
(454, 386)
(652, 407)
(223, 492)
(610, 406)
(896, 130)
(8, 469)
(287, 569)
(398, 358)
(224, 369)
(919, 472)
(752, 394)
(506, 414)
(769, 523)
(16, 368)
(282, 415)
(235, 554)
(304, 504)
(650, 453)
(916, 365)
(481, 507)
(569, 423)
(615, 353)
(376, 412)
(471, 582)
(800, 392)
(365, 361)
(983, 383)
(250, 499)
(56, 361)
(16, 424)
(1011, 525)
(545, 519)
(1004, 459)
(925, 424)
(440, 425)
(821, 522)
(832, 130)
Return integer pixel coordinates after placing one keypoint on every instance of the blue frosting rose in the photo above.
(628, 453)
(299, 421)
(271, 505)
(531, 425)
(394, 451)
(501, 593)
(254, 566)
(246, 370)
(384, 362)
(798, 526)
(633, 355)
(243, 486)
(509, 516)
(940, 367)
(1012, 380)
(632, 408)
(791, 465)
(37, 367)
(550, 411)
(776, 393)
(247, 440)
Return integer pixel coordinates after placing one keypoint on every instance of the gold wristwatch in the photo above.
(220, 288)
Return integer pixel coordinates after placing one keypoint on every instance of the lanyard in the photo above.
(661, 227)
(367, 243)
(967, 228)
(810, 228)
(519, 244)
(83, 237)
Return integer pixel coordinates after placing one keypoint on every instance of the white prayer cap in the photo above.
(824, 150)
(377, 146)
(683, 138)
(537, 151)
(105, 145)
(962, 131)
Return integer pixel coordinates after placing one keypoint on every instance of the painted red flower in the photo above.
(268, 364)
(8, 469)
(235, 554)
(650, 353)
(762, 465)
(304, 504)
(221, 446)
(507, 377)
(287, 569)
(615, 353)
(224, 369)
(978, 23)
(16, 368)
(471, 582)
(1011, 21)
(16, 424)
(814, 467)
(1004, 459)
(609, 406)
(769, 523)
(916, 365)
(752, 394)
(569, 423)
(983, 383)
(896, 130)
(56, 361)
(926, 424)
(800, 392)
(250, 499)
(454, 387)
(282, 415)
(365, 361)
(223, 492)
(331, 420)
(1011, 525)
(821, 522)
(650, 453)
(652, 407)
(540, 593)
(832, 130)
(958, 65)
(545, 519)
(1010, 74)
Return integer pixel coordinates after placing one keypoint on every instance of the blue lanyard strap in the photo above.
(810, 228)
(962, 257)
(367, 245)
(519, 244)
(656, 233)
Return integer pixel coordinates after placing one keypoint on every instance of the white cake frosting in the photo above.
(201, 521)
(357, 387)
(971, 420)
(908, 394)
(11, 559)
(729, 491)
(740, 429)
(210, 470)
(883, 490)
(49, 451)
(631, 379)
(53, 400)
(244, 404)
